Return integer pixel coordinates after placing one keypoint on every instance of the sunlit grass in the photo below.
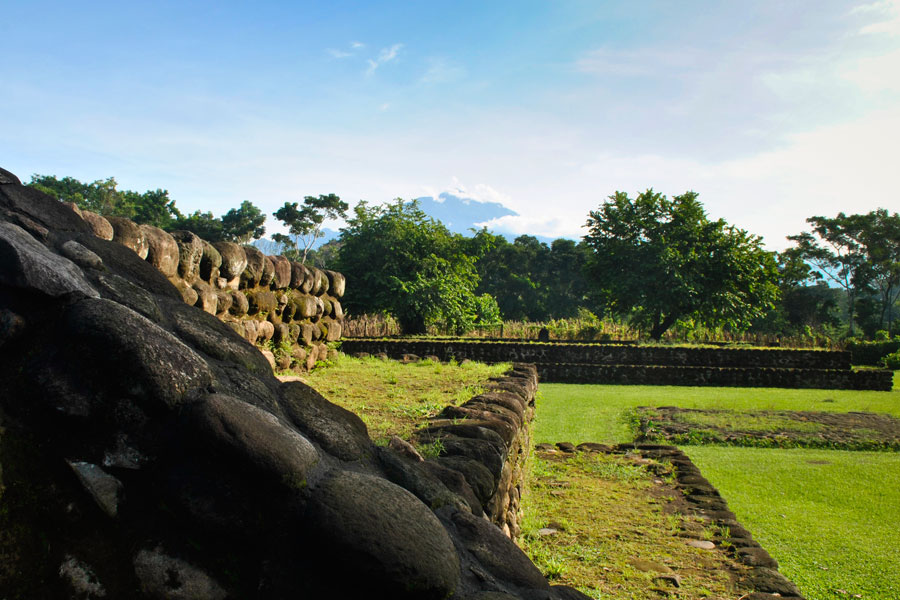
(394, 398)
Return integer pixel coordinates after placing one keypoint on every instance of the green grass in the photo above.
(608, 511)
(832, 525)
(830, 517)
(597, 413)
(394, 398)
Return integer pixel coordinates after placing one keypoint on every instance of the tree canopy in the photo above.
(399, 260)
(658, 260)
(153, 207)
(304, 222)
(861, 254)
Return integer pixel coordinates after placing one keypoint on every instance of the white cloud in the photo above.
(443, 71)
(357, 45)
(338, 53)
(888, 9)
(875, 74)
(385, 56)
(480, 192)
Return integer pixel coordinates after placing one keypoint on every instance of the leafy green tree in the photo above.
(858, 253)
(203, 224)
(400, 261)
(153, 207)
(879, 237)
(243, 224)
(659, 260)
(304, 222)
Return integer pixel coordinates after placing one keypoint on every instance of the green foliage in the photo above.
(532, 281)
(203, 224)
(400, 261)
(661, 260)
(861, 254)
(304, 222)
(892, 361)
(153, 207)
(243, 224)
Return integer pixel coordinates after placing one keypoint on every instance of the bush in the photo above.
(871, 353)
(892, 361)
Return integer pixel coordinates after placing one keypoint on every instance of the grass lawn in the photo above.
(394, 398)
(596, 413)
(603, 524)
(830, 517)
(832, 525)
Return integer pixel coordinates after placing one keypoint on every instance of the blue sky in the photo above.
(772, 111)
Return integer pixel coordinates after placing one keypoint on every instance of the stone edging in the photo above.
(764, 580)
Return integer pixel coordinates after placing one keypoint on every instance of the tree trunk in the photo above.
(662, 325)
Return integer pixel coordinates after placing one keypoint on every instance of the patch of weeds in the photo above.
(432, 449)
(606, 510)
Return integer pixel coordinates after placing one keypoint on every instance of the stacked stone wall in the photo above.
(492, 429)
(288, 309)
(649, 365)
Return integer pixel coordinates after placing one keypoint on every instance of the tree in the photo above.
(400, 261)
(879, 237)
(153, 207)
(859, 253)
(243, 224)
(203, 224)
(659, 260)
(305, 222)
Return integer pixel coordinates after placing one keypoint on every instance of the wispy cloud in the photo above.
(480, 192)
(351, 51)
(385, 56)
(443, 71)
(889, 10)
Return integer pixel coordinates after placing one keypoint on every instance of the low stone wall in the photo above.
(272, 302)
(493, 430)
(603, 354)
(718, 377)
(650, 365)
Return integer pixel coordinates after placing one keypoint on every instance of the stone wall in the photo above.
(650, 365)
(846, 379)
(147, 451)
(272, 302)
(603, 354)
(493, 430)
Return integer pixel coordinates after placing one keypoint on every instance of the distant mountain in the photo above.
(457, 213)
(461, 214)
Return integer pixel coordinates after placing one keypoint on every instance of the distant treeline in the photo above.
(652, 263)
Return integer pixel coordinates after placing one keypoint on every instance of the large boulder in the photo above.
(234, 261)
(26, 263)
(100, 226)
(281, 277)
(129, 234)
(336, 283)
(210, 263)
(190, 252)
(385, 535)
(253, 273)
(337, 430)
(162, 250)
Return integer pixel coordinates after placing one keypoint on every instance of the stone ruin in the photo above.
(148, 451)
(263, 298)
